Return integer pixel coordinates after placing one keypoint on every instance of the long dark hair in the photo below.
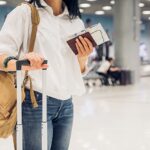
(72, 5)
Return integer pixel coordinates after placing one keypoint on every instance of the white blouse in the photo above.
(64, 78)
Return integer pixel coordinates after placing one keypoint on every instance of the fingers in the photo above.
(44, 66)
(36, 61)
(81, 49)
(89, 44)
(80, 53)
(84, 46)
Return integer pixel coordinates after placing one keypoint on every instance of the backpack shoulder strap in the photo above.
(35, 18)
(35, 22)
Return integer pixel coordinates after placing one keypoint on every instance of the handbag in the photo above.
(8, 96)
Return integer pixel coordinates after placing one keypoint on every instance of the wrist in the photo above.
(7, 59)
(11, 66)
(9, 63)
(83, 59)
(83, 63)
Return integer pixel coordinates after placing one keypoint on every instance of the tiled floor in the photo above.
(145, 70)
(113, 118)
(110, 118)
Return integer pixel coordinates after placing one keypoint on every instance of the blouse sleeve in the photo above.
(12, 32)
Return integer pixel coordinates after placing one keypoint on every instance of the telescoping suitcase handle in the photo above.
(44, 134)
(25, 62)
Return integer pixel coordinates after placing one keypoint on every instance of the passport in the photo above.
(72, 42)
(96, 34)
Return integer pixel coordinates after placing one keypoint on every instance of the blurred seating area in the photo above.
(102, 71)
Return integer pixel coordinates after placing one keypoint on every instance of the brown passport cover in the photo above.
(72, 42)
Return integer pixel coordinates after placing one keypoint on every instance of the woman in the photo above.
(58, 20)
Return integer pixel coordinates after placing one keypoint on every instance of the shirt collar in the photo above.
(49, 8)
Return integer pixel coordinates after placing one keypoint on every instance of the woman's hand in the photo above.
(36, 61)
(85, 48)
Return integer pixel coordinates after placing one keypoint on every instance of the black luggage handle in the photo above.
(25, 62)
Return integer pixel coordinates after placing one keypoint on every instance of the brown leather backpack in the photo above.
(8, 98)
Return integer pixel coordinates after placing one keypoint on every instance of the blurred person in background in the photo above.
(143, 53)
(107, 69)
(88, 22)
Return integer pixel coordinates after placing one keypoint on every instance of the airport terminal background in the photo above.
(112, 116)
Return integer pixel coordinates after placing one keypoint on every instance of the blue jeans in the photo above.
(60, 119)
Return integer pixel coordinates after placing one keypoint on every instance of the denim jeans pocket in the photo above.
(67, 110)
(29, 113)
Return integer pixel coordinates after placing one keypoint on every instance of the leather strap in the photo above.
(35, 22)
(32, 94)
(35, 18)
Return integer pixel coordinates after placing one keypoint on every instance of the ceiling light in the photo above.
(99, 12)
(141, 4)
(146, 12)
(107, 8)
(3, 2)
(85, 5)
(81, 10)
(148, 18)
(112, 2)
